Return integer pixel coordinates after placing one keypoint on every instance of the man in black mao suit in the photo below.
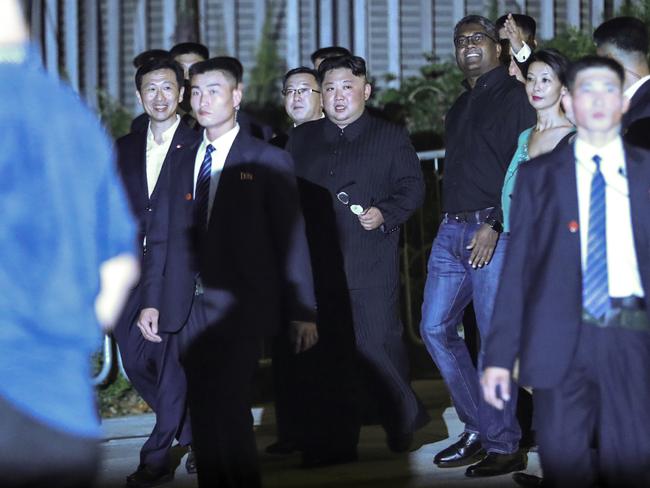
(143, 160)
(360, 179)
(572, 303)
(235, 265)
(625, 39)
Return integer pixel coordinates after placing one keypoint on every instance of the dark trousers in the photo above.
(289, 376)
(155, 371)
(219, 370)
(384, 360)
(33, 455)
(604, 397)
(327, 380)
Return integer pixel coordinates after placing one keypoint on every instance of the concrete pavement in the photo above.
(377, 466)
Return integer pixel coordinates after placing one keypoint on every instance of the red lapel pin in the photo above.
(188, 196)
(573, 226)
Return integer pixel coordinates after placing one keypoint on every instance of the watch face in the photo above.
(356, 209)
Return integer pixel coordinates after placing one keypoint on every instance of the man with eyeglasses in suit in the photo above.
(291, 372)
(481, 131)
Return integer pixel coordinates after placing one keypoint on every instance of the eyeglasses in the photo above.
(299, 91)
(476, 39)
(344, 198)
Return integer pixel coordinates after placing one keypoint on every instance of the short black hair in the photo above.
(525, 22)
(190, 48)
(626, 33)
(557, 61)
(329, 52)
(155, 64)
(588, 62)
(488, 26)
(299, 71)
(148, 55)
(356, 64)
(224, 64)
(236, 67)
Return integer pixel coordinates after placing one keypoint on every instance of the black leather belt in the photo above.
(624, 312)
(470, 217)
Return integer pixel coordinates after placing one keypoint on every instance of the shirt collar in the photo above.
(489, 79)
(610, 154)
(167, 133)
(351, 131)
(224, 140)
(629, 93)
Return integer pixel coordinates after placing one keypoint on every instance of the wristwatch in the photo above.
(496, 225)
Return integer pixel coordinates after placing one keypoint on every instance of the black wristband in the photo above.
(496, 225)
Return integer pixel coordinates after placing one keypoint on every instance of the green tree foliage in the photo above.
(573, 43)
(264, 85)
(421, 102)
(114, 116)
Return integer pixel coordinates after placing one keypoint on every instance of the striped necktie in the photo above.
(595, 289)
(202, 193)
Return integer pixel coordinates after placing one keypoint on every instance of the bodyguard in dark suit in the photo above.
(154, 368)
(572, 303)
(231, 265)
(291, 371)
(625, 39)
(360, 180)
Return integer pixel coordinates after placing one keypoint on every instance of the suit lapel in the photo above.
(182, 137)
(566, 192)
(229, 175)
(638, 172)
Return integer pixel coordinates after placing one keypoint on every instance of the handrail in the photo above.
(102, 377)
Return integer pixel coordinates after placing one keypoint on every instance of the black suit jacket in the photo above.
(538, 308)
(374, 162)
(131, 162)
(253, 259)
(636, 121)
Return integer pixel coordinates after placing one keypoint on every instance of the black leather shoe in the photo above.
(145, 477)
(319, 460)
(190, 462)
(462, 452)
(495, 464)
(400, 442)
(281, 447)
(527, 480)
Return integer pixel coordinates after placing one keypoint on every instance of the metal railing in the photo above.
(111, 360)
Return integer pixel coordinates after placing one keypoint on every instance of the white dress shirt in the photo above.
(523, 54)
(156, 153)
(222, 147)
(622, 266)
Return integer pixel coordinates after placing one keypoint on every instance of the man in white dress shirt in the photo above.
(571, 306)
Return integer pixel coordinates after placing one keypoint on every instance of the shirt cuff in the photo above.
(523, 54)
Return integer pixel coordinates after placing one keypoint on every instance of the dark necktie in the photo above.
(595, 287)
(202, 193)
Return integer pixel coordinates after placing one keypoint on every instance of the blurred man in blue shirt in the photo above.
(65, 227)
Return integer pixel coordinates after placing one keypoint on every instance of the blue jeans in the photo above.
(451, 284)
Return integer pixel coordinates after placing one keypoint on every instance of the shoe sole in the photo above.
(462, 462)
(158, 482)
(519, 467)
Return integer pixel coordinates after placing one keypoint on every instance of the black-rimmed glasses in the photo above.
(298, 91)
(476, 39)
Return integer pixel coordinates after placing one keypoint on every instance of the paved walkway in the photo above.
(377, 466)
